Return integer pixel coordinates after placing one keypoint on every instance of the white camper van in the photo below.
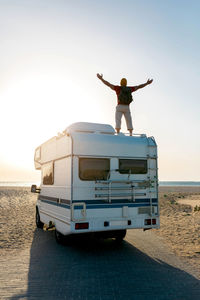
(95, 181)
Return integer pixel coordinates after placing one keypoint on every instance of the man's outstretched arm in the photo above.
(149, 81)
(105, 82)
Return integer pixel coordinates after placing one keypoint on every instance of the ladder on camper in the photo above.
(152, 180)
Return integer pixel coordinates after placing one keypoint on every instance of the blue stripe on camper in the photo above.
(98, 204)
(55, 201)
(110, 205)
(115, 201)
(56, 204)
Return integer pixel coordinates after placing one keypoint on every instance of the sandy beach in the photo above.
(180, 223)
(17, 219)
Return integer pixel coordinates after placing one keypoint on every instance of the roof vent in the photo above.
(90, 128)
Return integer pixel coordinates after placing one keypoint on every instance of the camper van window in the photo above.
(47, 174)
(94, 168)
(132, 166)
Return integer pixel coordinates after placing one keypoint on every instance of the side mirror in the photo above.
(34, 189)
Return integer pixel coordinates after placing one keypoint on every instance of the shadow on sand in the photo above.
(92, 269)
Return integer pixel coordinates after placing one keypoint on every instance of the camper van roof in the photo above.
(90, 128)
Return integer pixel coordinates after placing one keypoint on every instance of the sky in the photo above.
(50, 52)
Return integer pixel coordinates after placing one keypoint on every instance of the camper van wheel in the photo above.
(120, 235)
(60, 238)
(39, 224)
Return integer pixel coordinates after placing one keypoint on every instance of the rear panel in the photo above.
(120, 199)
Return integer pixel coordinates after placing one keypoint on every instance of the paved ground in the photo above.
(140, 268)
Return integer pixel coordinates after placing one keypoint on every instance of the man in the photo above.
(124, 98)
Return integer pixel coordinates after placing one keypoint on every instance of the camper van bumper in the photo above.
(107, 225)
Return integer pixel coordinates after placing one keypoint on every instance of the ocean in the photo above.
(179, 183)
(18, 183)
(161, 183)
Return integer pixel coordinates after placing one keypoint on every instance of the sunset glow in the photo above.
(50, 54)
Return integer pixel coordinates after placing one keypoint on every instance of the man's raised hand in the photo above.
(149, 81)
(100, 76)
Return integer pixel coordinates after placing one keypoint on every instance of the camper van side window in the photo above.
(94, 168)
(47, 174)
(132, 166)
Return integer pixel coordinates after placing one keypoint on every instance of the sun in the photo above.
(35, 108)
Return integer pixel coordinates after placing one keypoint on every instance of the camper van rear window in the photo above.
(94, 168)
(132, 166)
(47, 174)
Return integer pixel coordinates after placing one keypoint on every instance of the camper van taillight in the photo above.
(150, 222)
(81, 225)
(153, 221)
(147, 222)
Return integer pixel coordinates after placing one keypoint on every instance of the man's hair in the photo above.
(123, 82)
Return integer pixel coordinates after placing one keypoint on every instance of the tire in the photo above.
(60, 238)
(63, 239)
(120, 235)
(39, 224)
